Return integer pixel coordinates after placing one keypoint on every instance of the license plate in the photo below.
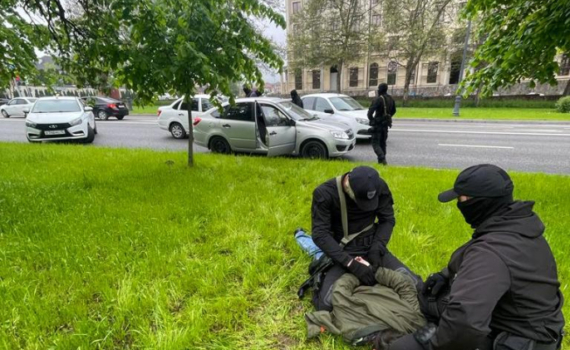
(121, 106)
(55, 132)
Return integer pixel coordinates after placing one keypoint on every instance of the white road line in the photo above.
(476, 132)
(474, 146)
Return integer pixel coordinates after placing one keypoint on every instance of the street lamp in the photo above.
(458, 96)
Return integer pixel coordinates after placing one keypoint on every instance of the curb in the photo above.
(503, 121)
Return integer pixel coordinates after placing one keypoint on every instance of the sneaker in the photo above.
(383, 162)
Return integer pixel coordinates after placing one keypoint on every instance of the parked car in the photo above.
(174, 117)
(105, 107)
(15, 107)
(3, 101)
(60, 118)
(272, 127)
(342, 106)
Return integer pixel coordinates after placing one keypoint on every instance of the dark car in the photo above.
(105, 107)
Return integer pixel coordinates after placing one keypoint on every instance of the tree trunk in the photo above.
(407, 82)
(567, 88)
(189, 101)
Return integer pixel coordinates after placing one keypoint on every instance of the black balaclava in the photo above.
(382, 88)
(294, 94)
(246, 90)
(477, 210)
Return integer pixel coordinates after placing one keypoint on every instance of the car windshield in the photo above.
(346, 104)
(296, 112)
(56, 106)
(32, 100)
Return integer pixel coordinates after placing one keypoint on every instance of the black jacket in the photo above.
(296, 99)
(503, 279)
(327, 224)
(376, 111)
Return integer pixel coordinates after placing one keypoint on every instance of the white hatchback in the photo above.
(16, 107)
(174, 118)
(60, 118)
(340, 106)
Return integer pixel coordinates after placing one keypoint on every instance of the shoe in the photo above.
(383, 162)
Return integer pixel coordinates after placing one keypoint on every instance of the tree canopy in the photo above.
(522, 40)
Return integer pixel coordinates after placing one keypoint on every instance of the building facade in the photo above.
(433, 76)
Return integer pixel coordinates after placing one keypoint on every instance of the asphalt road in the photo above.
(533, 147)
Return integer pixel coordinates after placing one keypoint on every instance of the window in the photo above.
(298, 79)
(353, 73)
(176, 105)
(373, 81)
(432, 72)
(454, 71)
(316, 79)
(322, 105)
(309, 102)
(392, 73)
(241, 112)
(206, 104)
(47, 106)
(274, 117)
(184, 106)
(376, 20)
(346, 104)
(296, 7)
(564, 65)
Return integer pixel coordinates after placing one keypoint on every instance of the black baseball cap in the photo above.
(484, 180)
(366, 184)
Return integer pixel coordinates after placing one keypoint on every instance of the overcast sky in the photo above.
(278, 36)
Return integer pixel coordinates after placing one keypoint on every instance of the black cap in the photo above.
(366, 185)
(484, 180)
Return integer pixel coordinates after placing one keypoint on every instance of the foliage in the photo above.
(522, 40)
(563, 105)
(118, 249)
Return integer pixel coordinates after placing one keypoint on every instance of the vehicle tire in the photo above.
(177, 131)
(102, 115)
(90, 135)
(120, 117)
(220, 145)
(314, 149)
(5, 114)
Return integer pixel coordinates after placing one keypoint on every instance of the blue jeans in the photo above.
(306, 243)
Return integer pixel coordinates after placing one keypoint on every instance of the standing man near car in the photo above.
(502, 285)
(368, 199)
(380, 115)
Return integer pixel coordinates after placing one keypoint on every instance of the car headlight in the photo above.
(339, 135)
(362, 121)
(76, 121)
(31, 124)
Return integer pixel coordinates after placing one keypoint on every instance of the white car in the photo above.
(343, 108)
(16, 107)
(174, 118)
(60, 118)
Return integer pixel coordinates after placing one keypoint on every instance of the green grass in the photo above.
(483, 114)
(114, 249)
(449, 102)
(145, 109)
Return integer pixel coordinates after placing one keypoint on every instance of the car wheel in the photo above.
(102, 115)
(120, 117)
(5, 114)
(90, 135)
(314, 150)
(220, 145)
(177, 131)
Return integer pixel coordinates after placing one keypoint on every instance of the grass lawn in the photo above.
(144, 110)
(114, 249)
(484, 113)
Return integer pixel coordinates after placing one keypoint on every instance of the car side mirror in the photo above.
(26, 110)
(329, 111)
(88, 109)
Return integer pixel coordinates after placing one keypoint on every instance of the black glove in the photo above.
(375, 255)
(424, 334)
(434, 284)
(362, 272)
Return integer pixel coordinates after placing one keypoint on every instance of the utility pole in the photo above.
(461, 70)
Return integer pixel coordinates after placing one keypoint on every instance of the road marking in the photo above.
(96, 121)
(474, 146)
(476, 132)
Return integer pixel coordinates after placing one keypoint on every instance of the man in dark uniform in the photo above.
(367, 198)
(502, 286)
(380, 115)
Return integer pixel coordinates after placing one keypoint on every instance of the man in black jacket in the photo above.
(368, 199)
(503, 285)
(380, 115)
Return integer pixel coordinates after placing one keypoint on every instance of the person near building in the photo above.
(380, 115)
(296, 99)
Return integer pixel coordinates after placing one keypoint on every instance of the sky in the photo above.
(277, 35)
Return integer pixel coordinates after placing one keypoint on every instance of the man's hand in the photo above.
(375, 255)
(434, 284)
(362, 272)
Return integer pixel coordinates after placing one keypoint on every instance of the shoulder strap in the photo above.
(344, 216)
(385, 107)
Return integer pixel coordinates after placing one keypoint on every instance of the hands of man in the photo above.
(364, 273)
(375, 255)
(435, 284)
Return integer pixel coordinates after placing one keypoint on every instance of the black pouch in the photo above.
(508, 341)
(320, 265)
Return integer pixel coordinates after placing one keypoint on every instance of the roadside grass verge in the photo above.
(113, 249)
(511, 114)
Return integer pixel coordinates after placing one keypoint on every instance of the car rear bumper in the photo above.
(115, 112)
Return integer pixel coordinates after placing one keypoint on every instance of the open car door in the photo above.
(277, 130)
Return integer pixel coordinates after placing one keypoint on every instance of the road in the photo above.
(514, 146)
